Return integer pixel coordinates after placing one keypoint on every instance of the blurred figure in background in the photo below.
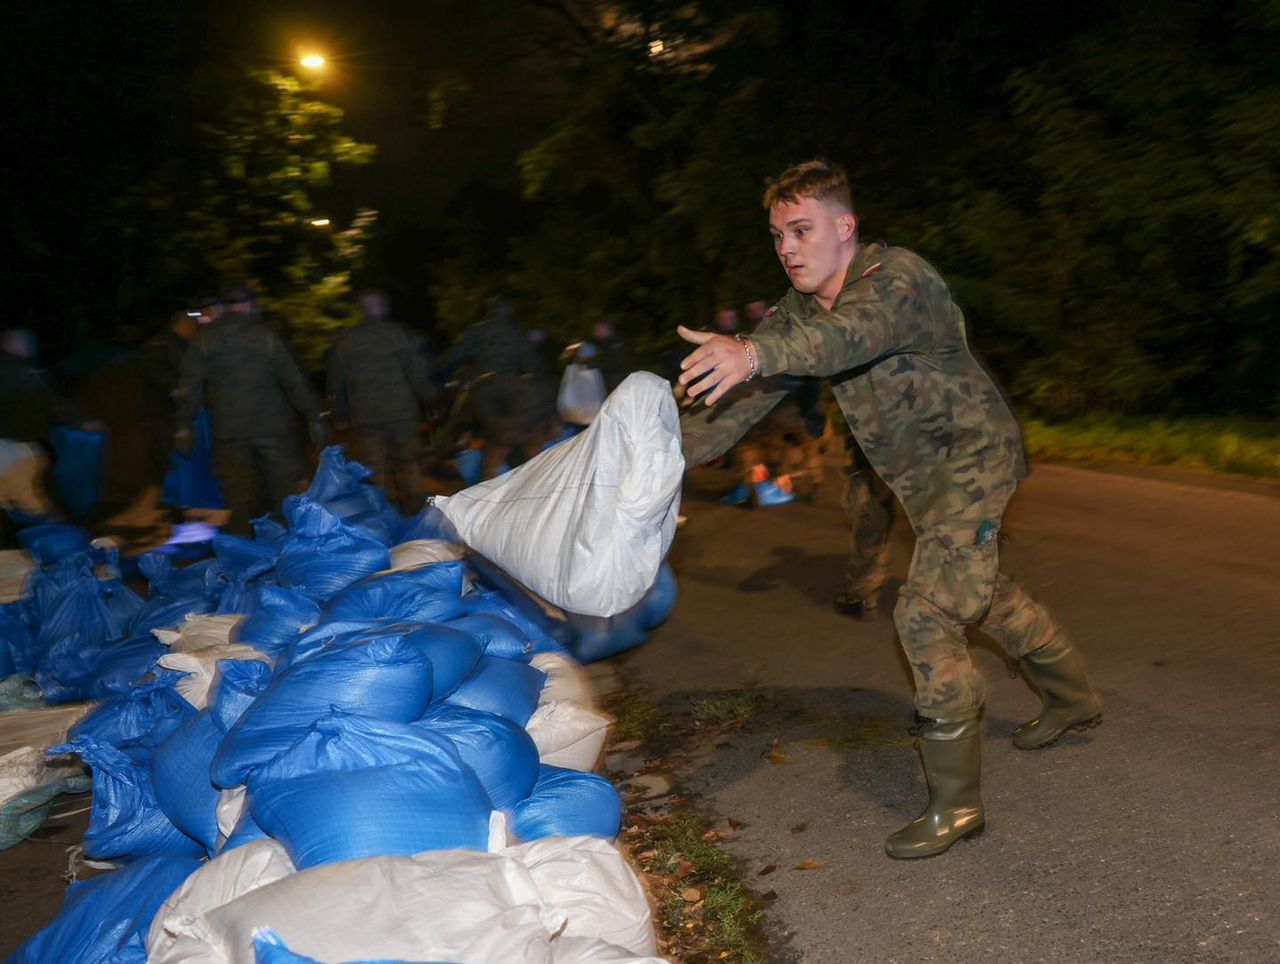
(582, 389)
(378, 384)
(726, 321)
(29, 408)
(255, 392)
(509, 403)
(614, 360)
(870, 507)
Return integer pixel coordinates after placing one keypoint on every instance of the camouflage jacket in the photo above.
(248, 378)
(377, 375)
(927, 415)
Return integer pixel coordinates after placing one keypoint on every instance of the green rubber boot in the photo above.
(1069, 700)
(952, 756)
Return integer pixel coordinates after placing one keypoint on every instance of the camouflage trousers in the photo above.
(955, 581)
(256, 475)
(393, 450)
(870, 506)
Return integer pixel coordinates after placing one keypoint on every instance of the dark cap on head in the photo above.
(237, 294)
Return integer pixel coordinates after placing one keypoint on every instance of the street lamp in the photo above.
(312, 61)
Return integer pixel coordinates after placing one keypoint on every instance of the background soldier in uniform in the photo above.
(255, 392)
(870, 507)
(881, 323)
(377, 380)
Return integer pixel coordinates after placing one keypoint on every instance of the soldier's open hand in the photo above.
(719, 363)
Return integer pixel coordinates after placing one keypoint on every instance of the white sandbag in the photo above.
(201, 667)
(568, 735)
(20, 770)
(15, 566)
(586, 524)
(179, 932)
(39, 728)
(422, 552)
(585, 950)
(450, 905)
(199, 631)
(566, 680)
(590, 883)
(229, 809)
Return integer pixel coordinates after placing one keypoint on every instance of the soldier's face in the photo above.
(815, 242)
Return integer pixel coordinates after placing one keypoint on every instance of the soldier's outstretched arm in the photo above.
(878, 316)
(708, 431)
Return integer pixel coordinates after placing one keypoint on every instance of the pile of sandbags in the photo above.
(332, 757)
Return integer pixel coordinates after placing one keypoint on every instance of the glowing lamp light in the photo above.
(319, 222)
(312, 61)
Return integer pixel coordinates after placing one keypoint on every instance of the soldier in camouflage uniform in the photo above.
(870, 507)
(881, 324)
(255, 393)
(378, 384)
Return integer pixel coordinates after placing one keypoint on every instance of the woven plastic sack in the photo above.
(502, 755)
(586, 524)
(425, 595)
(355, 787)
(173, 936)
(321, 556)
(199, 668)
(200, 631)
(53, 541)
(337, 632)
(236, 684)
(127, 822)
(340, 484)
(423, 552)
(130, 715)
(18, 639)
(436, 906)
(7, 667)
(496, 604)
(105, 920)
(79, 668)
(384, 678)
(566, 680)
(591, 883)
(22, 814)
(568, 734)
(277, 615)
(567, 803)
(500, 637)
(506, 687)
(180, 779)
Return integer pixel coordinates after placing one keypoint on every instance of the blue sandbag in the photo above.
(190, 482)
(504, 686)
(77, 467)
(122, 605)
(242, 566)
(6, 656)
(499, 637)
(126, 822)
(154, 707)
(430, 523)
(353, 787)
(245, 831)
(661, 598)
(76, 669)
(53, 541)
(180, 778)
(382, 678)
(496, 604)
(236, 684)
(18, 640)
(384, 526)
(24, 813)
(336, 632)
(453, 654)
(567, 803)
(77, 608)
(276, 616)
(503, 755)
(322, 556)
(105, 920)
(426, 594)
(340, 485)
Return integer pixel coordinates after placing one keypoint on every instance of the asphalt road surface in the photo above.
(1155, 837)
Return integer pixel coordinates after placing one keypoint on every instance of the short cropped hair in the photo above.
(815, 179)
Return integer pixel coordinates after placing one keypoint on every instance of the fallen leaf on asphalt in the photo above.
(734, 824)
(809, 864)
(691, 894)
(647, 855)
(774, 756)
(800, 828)
(767, 870)
(769, 895)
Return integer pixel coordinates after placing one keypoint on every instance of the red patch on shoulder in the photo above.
(771, 312)
(873, 269)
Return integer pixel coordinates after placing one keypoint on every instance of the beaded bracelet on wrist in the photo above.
(754, 368)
